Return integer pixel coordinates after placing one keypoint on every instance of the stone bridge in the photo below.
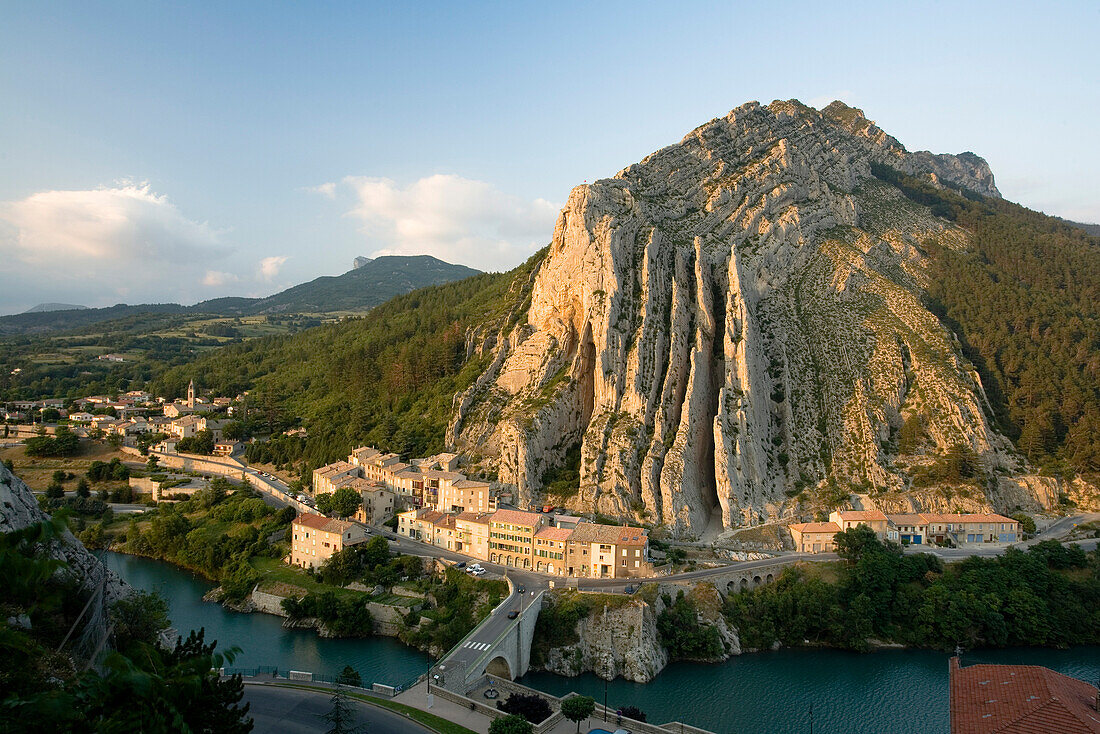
(498, 646)
(741, 576)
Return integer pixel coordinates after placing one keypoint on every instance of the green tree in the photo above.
(345, 501)
(55, 490)
(349, 676)
(1027, 523)
(513, 724)
(83, 489)
(577, 709)
(375, 551)
(341, 717)
(324, 503)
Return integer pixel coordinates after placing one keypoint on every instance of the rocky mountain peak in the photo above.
(733, 321)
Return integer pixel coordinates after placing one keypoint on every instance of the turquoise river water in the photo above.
(902, 691)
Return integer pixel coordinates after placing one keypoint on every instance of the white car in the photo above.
(479, 572)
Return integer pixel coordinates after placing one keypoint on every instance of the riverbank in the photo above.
(902, 691)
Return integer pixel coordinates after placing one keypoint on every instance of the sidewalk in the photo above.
(417, 698)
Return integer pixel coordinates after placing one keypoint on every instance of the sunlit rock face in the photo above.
(735, 319)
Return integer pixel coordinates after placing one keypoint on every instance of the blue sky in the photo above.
(155, 152)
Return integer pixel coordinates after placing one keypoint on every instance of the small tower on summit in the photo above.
(191, 394)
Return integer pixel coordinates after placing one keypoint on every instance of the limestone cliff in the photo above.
(735, 319)
(620, 638)
(19, 509)
(613, 642)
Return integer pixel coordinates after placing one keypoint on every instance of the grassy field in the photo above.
(275, 571)
(37, 471)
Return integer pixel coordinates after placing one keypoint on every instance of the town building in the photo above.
(324, 476)
(511, 537)
(529, 540)
(315, 538)
(607, 551)
(379, 502)
(915, 528)
(874, 519)
(185, 426)
(985, 699)
(551, 547)
(961, 529)
(465, 495)
(226, 448)
(472, 534)
(814, 537)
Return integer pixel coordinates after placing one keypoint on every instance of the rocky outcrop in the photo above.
(613, 642)
(19, 509)
(620, 638)
(735, 320)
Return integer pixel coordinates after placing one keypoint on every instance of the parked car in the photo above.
(460, 564)
(479, 572)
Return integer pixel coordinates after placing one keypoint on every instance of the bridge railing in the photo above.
(491, 650)
(458, 645)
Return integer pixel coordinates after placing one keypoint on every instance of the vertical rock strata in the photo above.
(733, 319)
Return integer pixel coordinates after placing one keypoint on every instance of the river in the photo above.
(897, 691)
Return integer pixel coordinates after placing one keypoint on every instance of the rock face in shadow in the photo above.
(735, 319)
(19, 509)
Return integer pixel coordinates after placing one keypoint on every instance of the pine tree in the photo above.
(341, 717)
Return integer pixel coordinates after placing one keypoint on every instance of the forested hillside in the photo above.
(387, 378)
(1024, 301)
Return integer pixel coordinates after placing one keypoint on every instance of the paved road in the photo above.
(494, 625)
(278, 710)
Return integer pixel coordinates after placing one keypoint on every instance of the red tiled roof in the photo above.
(815, 527)
(554, 533)
(1014, 699)
(478, 517)
(957, 517)
(517, 517)
(322, 523)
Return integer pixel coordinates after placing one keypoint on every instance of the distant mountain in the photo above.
(374, 282)
(45, 307)
(360, 261)
(42, 322)
(1092, 229)
(369, 285)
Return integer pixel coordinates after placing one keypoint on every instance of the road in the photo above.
(494, 625)
(278, 710)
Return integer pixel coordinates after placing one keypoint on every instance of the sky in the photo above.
(171, 152)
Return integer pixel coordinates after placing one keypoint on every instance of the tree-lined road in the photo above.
(279, 710)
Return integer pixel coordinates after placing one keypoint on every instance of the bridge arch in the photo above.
(756, 581)
(500, 667)
(770, 578)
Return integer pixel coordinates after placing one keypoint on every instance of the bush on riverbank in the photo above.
(344, 617)
(461, 602)
(215, 533)
(370, 564)
(683, 634)
(1047, 595)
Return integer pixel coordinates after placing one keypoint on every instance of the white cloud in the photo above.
(215, 278)
(99, 246)
(453, 218)
(107, 224)
(327, 190)
(270, 266)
